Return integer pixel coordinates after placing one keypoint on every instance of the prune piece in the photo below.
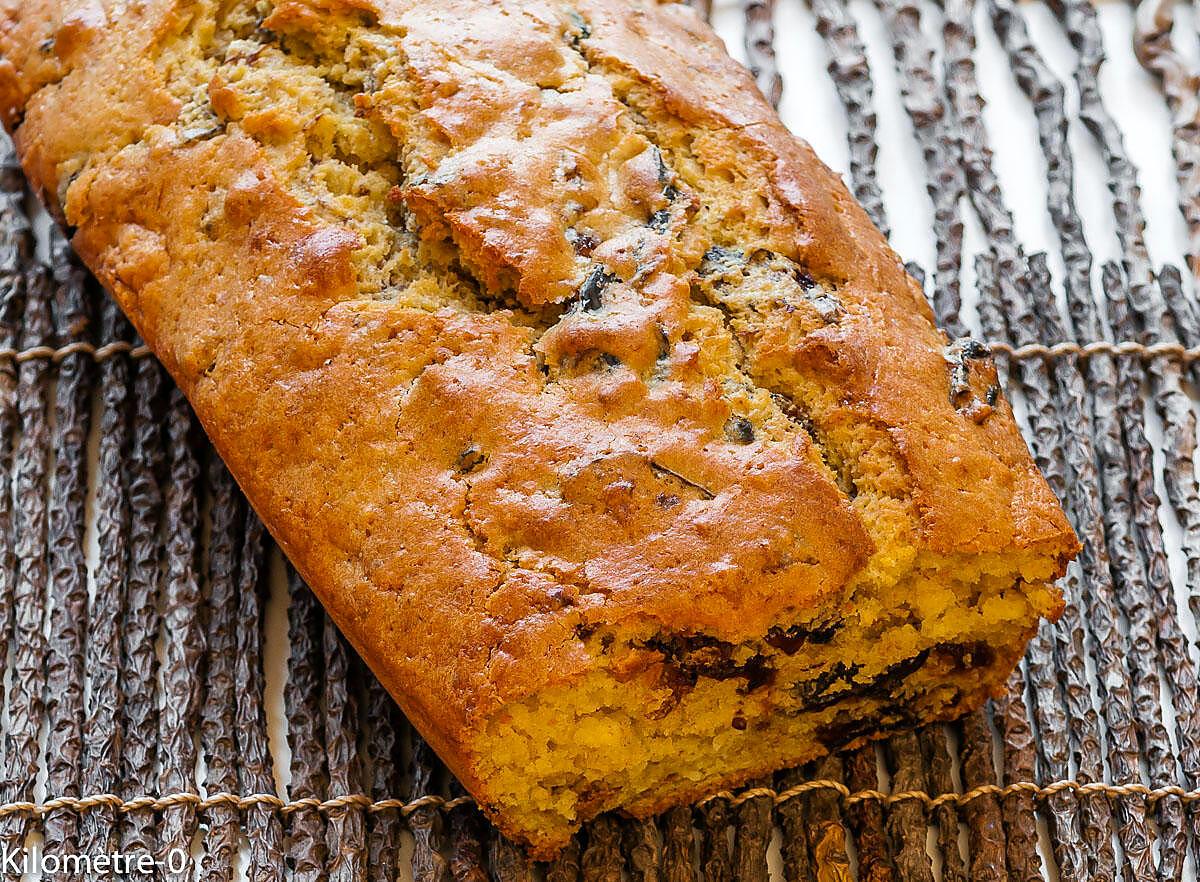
(974, 386)
(739, 430)
(665, 175)
(583, 243)
(580, 29)
(584, 630)
(719, 260)
(838, 683)
(687, 658)
(790, 640)
(660, 220)
(469, 460)
(590, 296)
(973, 349)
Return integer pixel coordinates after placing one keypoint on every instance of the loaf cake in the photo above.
(591, 405)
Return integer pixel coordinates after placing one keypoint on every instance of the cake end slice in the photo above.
(666, 717)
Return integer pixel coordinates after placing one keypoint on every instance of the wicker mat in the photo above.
(151, 708)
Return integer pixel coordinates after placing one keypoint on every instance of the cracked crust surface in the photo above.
(516, 320)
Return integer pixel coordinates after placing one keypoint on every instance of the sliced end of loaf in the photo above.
(667, 716)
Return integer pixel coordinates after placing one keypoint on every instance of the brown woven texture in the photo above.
(137, 590)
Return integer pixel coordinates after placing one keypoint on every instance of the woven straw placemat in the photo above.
(147, 708)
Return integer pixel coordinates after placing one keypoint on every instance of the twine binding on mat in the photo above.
(1017, 353)
(99, 353)
(778, 797)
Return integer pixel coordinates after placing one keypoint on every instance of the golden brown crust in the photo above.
(457, 490)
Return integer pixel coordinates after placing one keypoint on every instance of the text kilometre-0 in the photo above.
(18, 862)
